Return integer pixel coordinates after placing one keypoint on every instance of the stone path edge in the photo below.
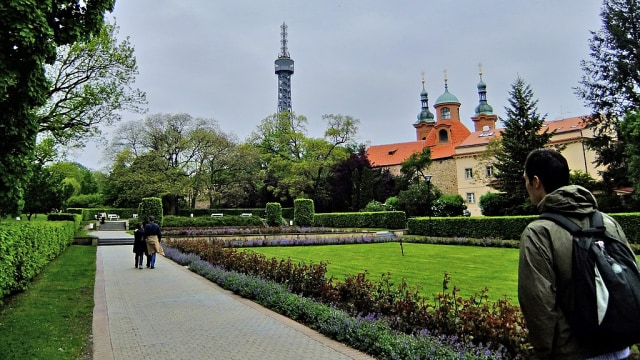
(102, 350)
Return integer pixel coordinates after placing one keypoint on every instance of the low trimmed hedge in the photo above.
(75, 218)
(89, 214)
(500, 227)
(209, 221)
(260, 212)
(380, 219)
(27, 247)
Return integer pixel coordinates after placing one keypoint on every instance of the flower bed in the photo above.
(287, 240)
(499, 325)
(250, 230)
(371, 334)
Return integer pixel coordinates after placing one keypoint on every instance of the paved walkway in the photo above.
(171, 313)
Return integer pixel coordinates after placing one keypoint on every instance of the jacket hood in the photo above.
(571, 200)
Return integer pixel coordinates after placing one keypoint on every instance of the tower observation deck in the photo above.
(284, 70)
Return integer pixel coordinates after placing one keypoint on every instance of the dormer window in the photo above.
(391, 152)
(445, 113)
(443, 136)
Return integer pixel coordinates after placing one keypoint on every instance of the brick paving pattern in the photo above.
(171, 313)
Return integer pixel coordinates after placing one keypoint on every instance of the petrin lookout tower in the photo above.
(284, 70)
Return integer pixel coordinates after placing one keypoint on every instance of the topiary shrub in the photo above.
(392, 203)
(449, 205)
(374, 206)
(151, 207)
(274, 214)
(303, 212)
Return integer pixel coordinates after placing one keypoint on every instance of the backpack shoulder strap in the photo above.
(563, 221)
(596, 223)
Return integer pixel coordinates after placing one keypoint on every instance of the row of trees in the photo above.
(182, 159)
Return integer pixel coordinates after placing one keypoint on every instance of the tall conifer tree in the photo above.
(610, 85)
(522, 134)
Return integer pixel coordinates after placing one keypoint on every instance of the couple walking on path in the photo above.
(147, 237)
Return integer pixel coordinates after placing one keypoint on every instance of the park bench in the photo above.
(216, 215)
(113, 217)
(246, 214)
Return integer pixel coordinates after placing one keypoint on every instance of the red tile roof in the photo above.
(480, 138)
(393, 154)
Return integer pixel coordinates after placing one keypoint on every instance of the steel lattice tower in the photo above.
(284, 70)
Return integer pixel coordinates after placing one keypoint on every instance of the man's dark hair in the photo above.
(549, 166)
(152, 218)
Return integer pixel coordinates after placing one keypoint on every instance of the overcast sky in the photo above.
(214, 59)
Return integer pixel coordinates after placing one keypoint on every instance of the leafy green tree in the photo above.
(85, 201)
(44, 192)
(46, 151)
(418, 199)
(610, 86)
(415, 166)
(522, 134)
(630, 127)
(352, 184)
(492, 204)
(578, 177)
(133, 178)
(178, 140)
(90, 86)
(298, 165)
(30, 32)
(82, 178)
(449, 205)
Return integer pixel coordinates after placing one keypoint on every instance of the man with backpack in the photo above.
(555, 285)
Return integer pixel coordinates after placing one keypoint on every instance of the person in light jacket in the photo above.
(545, 259)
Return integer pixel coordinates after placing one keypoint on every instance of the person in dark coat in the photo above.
(139, 245)
(154, 237)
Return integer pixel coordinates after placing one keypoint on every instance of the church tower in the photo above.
(284, 70)
(484, 118)
(447, 105)
(425, 117)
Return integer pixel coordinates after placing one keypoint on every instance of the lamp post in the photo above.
(427, 178)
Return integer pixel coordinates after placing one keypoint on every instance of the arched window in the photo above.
(446, 113)
(443, 135)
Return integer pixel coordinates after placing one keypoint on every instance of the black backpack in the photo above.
(616, 321)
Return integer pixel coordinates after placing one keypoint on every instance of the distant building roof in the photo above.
(393, 154)
(480, 138)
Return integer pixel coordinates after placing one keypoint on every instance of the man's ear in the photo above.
(536, 182)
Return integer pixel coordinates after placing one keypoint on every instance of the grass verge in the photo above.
(471, 268)
(53, 318)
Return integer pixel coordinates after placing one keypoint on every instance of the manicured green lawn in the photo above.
(471, 268)
(53, 318)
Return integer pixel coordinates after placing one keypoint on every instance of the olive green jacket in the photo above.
(545, 270)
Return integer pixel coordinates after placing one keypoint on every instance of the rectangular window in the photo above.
(471, 198)
(468, 173)
(489, 171)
